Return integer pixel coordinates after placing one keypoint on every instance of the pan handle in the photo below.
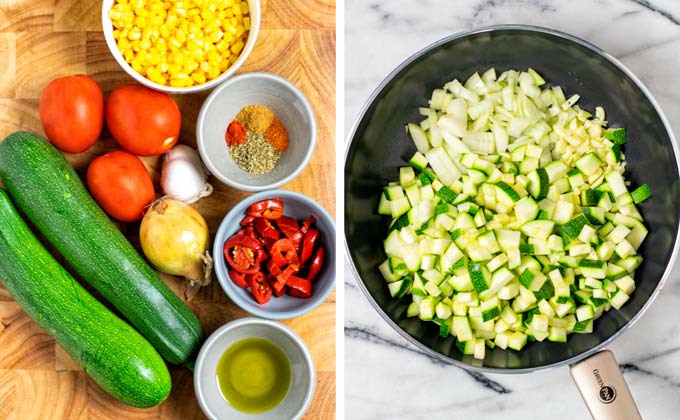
(601, 384)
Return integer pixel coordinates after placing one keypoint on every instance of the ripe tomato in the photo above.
(72, 112)
(120, 184)
(143, 121)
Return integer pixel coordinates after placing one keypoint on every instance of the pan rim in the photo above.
(529, 28)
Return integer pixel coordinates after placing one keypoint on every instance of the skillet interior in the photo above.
(379, 146)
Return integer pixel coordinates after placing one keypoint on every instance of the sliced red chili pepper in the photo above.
(269, 243)
(299, 287)
(247, 220)
(317, 263)
(273, 269)
(269, 209)
(308, 245)
(244, 253)
(283, 253)
(289, 227)
(286, 274)
(250, 231)
(260, 288)
(265, 228)
(278, 287)
(307, 223)
(238, 278)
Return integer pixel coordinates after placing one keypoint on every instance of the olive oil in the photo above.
(254, 375)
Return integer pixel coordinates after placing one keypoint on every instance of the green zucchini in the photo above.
(116, 356)
(48, 191)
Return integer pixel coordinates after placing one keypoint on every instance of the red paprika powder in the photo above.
(236, 134)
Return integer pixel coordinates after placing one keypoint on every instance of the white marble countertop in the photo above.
(380, 34)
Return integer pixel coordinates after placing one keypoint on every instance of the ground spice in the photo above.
(256, 139)
(236, 134)
(256, 156)
(277, 135)
(255, 118)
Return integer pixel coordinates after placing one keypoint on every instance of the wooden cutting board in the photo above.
(44, 39)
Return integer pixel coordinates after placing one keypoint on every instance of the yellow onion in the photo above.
(174, 238)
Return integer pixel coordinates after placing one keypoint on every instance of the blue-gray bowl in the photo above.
(299, 207)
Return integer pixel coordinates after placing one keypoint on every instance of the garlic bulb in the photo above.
(184, 177)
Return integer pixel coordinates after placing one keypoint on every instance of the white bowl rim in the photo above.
(257, 311)
(247, 49)
(287, 84)
(244, 322)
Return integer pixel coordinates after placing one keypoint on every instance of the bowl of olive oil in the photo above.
(254, 369)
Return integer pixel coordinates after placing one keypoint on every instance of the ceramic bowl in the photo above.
(303, 373)
(299, 207)
(107, 26)
(288, 103)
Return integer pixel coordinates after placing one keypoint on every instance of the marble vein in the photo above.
(631, 367)
(367, 335)
(648, 5)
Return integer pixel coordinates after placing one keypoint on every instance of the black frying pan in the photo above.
(379, 146)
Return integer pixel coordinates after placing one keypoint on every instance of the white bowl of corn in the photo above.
(180, 46)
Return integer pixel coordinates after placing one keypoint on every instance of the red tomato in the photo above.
(143, 121)
(260, 288)
(72, 112)
(121, 185)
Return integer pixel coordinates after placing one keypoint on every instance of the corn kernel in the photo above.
(216, 36)
(213, 72)
(135, 33)
(136, 66)
(237, 47)
(246, 23)
(199, 78)
(237, 9)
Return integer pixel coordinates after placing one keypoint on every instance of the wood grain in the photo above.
(44, 39)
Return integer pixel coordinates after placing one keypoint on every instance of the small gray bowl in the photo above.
(303, 373)
(299, 207)
(288, 103)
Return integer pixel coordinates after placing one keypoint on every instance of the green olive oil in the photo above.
(254, 375)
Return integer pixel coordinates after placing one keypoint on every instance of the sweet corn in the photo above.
(181, 43)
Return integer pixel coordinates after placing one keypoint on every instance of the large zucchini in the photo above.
(116, 356)
(46, 189)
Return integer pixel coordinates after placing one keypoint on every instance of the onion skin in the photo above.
(174, 238)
